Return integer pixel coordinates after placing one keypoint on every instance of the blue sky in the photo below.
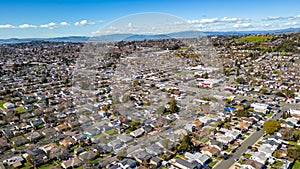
(53, 18)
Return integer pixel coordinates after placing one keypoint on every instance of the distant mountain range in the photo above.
(137, 37)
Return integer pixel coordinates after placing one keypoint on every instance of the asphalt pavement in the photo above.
(250, 141)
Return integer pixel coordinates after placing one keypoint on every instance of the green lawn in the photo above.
(109, 140)
(228, 150)
(241, 161)
(204, 140)
(74, 147)
(46, 166)
(293, 143)
(219, 158)
(79, 168)
(269, 114)
(247, 155)
(296, 165)
(179, 156)
(99, 136)
(260, 143)
(277, 164)
(211, 164)
(27, 166)
(183, 48)
(20, 110)
(254, 38)
(96, 160)
(111, 131)
(1, 103)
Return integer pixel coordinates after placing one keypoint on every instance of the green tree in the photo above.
(289, 93)
(276, 154)
(237, 72)
(106, 107)
(205, 75)
(167, 144)
(185, 144)
(271, 126)
(264, 91)
(44, 80)
(280, 94)
(289, 114)
(161, 110)
(294, 152)
(242, 113)
(220, 123)
(122, 155)
(284, 115)
(173, 106)
(240, 80)
(135, 83)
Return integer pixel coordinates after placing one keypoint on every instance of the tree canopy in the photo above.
(294, 152)
(271, 126)
(173, 106)
(185, 144)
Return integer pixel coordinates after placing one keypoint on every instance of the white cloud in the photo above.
(129, 25)
(290, 24)
(266, 25)
(64, 24)
(218, 20)
(84, 22)
(6, 26)
(271, 18)
(50, 25)
(200, 26)
(226, 19)
(205, 20)
(23, 26)
(275, 18)
(107, 30)
(180, 22)
(242, 25)
(208, 20)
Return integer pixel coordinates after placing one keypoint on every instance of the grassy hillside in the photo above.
(254, 38)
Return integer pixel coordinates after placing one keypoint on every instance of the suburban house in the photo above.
(71, 163)
(252, 164)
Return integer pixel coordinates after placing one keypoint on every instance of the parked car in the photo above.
(225, 156)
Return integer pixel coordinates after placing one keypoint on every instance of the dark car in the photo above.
(225, 156)
(249, 147)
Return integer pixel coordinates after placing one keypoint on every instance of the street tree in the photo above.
(271, 126)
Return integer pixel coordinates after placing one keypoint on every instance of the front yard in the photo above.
(211, 164)
(296, 165)
(1, 103)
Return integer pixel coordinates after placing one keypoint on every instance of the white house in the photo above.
(8, 105)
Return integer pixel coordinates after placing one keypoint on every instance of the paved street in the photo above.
(225, 164)
(249, 141)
